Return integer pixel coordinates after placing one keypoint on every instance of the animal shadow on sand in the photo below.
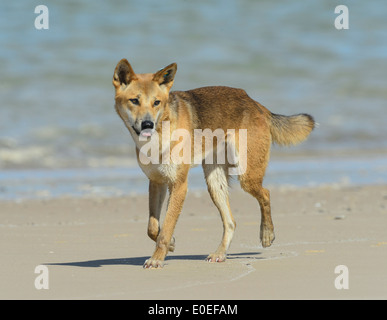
(139, 261)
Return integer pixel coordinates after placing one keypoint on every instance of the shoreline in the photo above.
(20, 185)
(94, 247)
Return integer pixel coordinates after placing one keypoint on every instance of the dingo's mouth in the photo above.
(146, 132)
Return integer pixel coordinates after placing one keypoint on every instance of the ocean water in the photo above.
(59, 133)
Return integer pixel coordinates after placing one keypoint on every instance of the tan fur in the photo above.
(141, 97)
(290, 130)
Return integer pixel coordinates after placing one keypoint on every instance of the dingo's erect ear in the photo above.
(165, 76)
(123, 74)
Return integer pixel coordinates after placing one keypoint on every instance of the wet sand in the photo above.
(94, 248)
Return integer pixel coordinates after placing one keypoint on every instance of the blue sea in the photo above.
(60, 135)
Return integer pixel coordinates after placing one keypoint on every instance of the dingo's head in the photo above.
(141, 98)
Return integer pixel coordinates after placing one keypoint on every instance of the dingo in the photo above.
(144, 102)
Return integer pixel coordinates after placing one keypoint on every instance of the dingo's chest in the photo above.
(163, 172)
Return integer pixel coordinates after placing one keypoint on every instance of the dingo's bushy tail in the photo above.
(290, 130)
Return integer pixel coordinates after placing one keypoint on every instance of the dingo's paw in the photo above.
(153, 263)
(267, 237)
(172, 245)
(216, 257)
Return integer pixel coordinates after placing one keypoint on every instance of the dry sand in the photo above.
(94, 248)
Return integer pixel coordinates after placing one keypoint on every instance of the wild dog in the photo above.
(144, 102)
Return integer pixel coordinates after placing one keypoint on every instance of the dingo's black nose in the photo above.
(146, 125)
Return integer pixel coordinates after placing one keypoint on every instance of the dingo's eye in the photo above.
(134, 101)
(156, 103)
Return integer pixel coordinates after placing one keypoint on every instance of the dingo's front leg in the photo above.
(157, 194)
(178, 191)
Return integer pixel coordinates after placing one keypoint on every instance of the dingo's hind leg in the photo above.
(251, 181)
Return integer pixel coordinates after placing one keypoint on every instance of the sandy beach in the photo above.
(94, 247)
